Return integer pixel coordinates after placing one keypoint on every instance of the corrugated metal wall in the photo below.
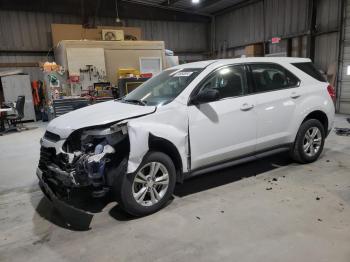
(29, 31)
(32, 31)
(178, 36)
(285, 17)
(327, 14)
(327, 45)
(240, 27)
(246, 25)
(344, 79)
(326, 50)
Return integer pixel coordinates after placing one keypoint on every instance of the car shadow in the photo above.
(231, 174)
(119, 214)
(209, 112)
(191, 186)
(78, 218)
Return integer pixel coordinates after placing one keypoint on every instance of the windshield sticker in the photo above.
(183, 74)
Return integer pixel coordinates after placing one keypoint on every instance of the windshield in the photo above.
(163, 88)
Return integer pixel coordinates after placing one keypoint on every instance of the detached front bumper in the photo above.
(73, 216)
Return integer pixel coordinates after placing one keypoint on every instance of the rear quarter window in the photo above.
(310, 69)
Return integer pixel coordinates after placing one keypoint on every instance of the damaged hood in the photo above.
(95, 115)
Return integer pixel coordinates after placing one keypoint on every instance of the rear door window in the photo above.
(310, 69)
(270, 77)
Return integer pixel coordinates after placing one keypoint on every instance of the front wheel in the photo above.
(309, 142)
(149, 188)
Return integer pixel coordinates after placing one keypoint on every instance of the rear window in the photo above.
(270, 77)
(310, 69)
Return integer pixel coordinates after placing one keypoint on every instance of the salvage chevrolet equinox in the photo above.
(185, 121)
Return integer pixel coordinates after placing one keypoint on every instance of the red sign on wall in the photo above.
(275, 40)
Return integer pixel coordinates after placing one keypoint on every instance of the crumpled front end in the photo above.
(96, 159)
(88, 159)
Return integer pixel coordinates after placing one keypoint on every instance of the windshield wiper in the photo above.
(135, 101)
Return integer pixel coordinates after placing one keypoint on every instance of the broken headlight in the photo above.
(92, 152)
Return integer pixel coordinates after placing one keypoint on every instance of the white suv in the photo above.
(186, 121)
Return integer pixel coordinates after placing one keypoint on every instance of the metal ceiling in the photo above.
(204, 6)
(174, 10)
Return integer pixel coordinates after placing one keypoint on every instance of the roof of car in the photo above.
(206, 63)
(200, 64)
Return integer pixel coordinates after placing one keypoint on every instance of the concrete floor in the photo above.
(223, 216)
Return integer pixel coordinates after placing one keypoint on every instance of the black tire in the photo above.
(297, 151)
(124, 187)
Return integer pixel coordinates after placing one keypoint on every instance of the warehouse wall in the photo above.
(327, 14)
(286, 17)
(344, 79)
(29, 31)
(326, 50)
(245, 25)
(178, 36)
(327, 45)
(239, 27)
(32, 31)
(283, 18)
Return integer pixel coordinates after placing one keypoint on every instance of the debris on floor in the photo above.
(342, 131)
(269, 188)
(318, 198)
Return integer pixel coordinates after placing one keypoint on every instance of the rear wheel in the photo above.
(309, 142)
(150, 187)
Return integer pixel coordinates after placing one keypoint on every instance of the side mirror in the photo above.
(206, 96)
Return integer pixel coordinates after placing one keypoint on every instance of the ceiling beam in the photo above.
(86, 8)
(206, 3)
(169, 2)
(165, 5)
(241, 4)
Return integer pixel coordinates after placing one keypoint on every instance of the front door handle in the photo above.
(295, 95)
(247, 107)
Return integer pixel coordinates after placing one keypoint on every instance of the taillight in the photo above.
(331, 92)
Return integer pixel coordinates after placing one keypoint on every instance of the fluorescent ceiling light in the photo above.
(195, 1)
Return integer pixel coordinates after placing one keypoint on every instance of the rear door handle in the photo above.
(247, 107)
(295, 95)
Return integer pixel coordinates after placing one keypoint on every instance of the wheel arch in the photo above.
(320, 116)
(165, 146)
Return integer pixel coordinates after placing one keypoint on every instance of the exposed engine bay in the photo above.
(89, 158)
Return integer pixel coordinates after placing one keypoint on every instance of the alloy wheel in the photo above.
(312, 141)
(150, 184)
